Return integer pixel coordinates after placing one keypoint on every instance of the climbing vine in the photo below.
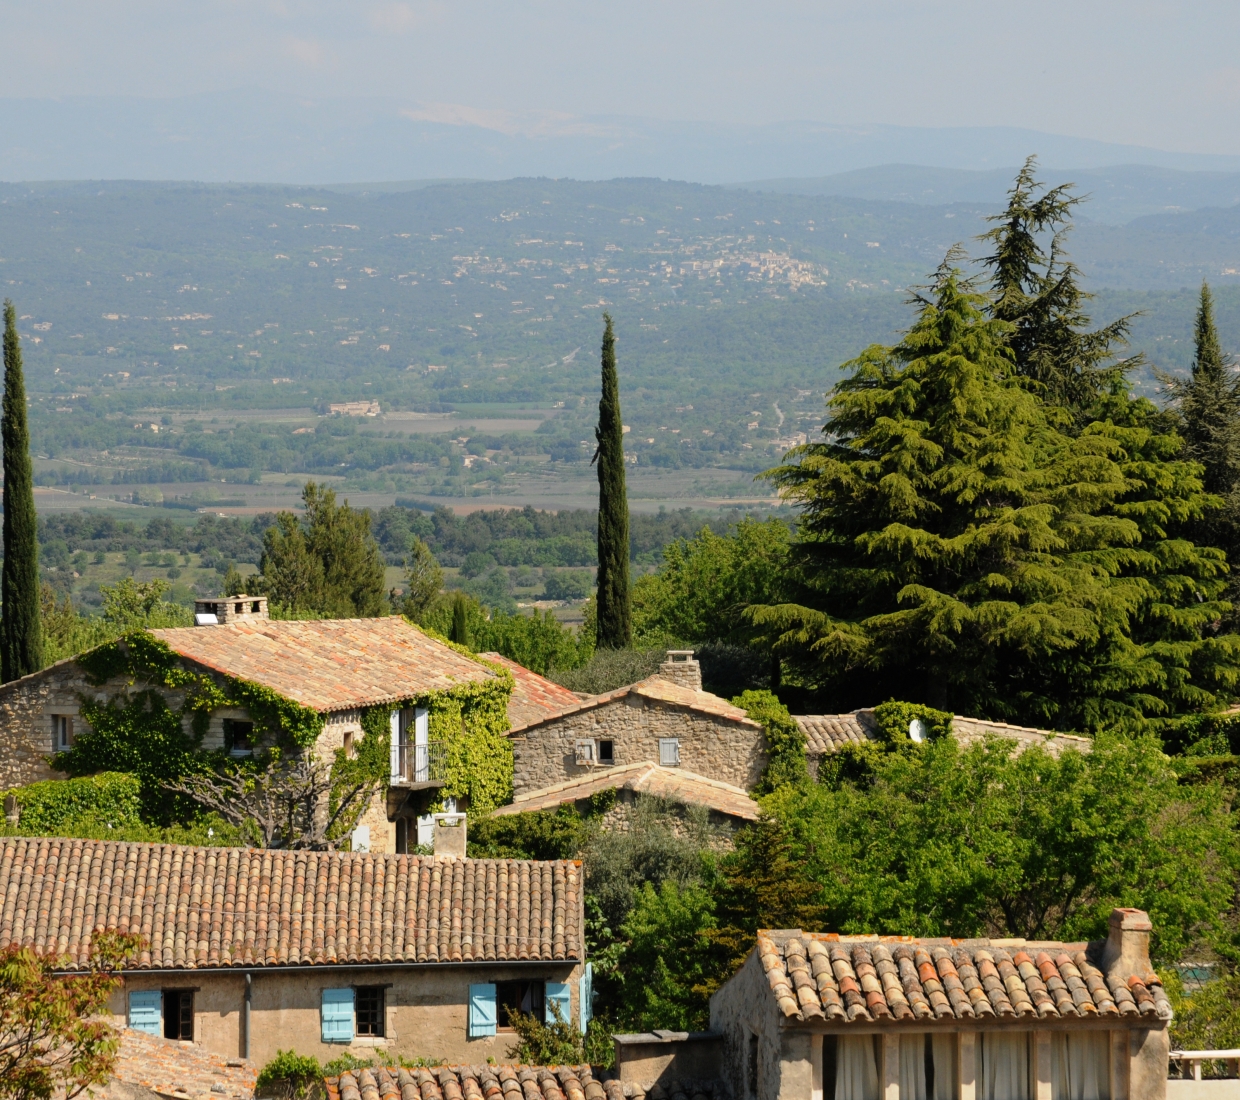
(785, 743)
(895, 721)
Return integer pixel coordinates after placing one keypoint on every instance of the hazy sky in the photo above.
(1151, 73)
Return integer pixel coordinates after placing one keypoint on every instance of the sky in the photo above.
(1159, 74)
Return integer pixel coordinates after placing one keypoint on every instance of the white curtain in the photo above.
(1004, 1065)
(856, 1068)
(943, 1050)
(913, 1067)
(1080, 1065)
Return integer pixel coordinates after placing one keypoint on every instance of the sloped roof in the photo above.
(533, 696)
(828, 732)
(643, 778)
(328, 664)
(476, 1083)
(227, 907)
(171, 1067)
(816, 975)
(655, 688)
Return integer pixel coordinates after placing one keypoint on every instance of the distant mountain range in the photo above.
(250, 136)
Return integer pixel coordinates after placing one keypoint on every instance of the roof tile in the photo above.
(533, 696)
(826, 733)
(221, 907)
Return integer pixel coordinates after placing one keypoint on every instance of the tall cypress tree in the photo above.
(1209, 407)
(614, 628)
(21, 636)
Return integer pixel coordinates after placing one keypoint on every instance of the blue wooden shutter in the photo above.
(146, 1011)
(586, 998)
(558, 995)
(338, 1015)
(482, 1010)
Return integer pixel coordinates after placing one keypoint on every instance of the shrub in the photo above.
(112, 798)
(572, 585)
(290, 1074)
(558, 1043)
(785, 743)
(609, 669)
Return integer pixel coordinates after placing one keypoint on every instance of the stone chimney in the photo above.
(230, 609)
(680, 668)
(448, 840)
(1127, 956)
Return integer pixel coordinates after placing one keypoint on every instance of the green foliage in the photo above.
(953, 840)
(706, 581)
(290, 1072)
(609, 669)
(785, 743)
(614, 629)
(1208, 1018)
(558, 1043)
(539, 642)
(894, 721)
(472, 720)
(423, 580)
(51, 805)
(329, 564)
(21, 635)
(346, 1061)
(957, 548)
(669, 960)
(460, 620)
(546, 834)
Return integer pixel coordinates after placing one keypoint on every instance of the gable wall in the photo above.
(716, 747)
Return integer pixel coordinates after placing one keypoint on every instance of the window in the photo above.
(179, 1014)
(1080, 1065)
(527, 998)
(584, 753)
(850, 1067)
(62, 732)
(606, 752)
(238, 737)
(482, 1010)
(146, 1011)
(348, 744)
(1003, 1066)
(669, 751)
(368, 1010)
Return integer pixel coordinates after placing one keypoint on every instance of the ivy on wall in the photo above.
(856, 763)
(895, 722)
(785, 743)
(112, 798)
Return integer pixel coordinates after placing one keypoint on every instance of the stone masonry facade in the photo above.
(727, 749)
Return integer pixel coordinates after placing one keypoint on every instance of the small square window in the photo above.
(606, 752)
(526, 998)
(238, 737)
(62, 732)
(179, 1014)
(368, 1009)
(669, 751)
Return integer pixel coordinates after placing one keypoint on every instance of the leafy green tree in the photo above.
(21, 635)
(539, 642)
(614, 627)
(423, 580)
(705, 582)
(944, 839)
(328, 564)
(1038, 294)
(957, 548)
(126, 606)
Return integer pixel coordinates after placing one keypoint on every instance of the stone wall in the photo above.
(427, 1009)
(719, 748)
(27, 707)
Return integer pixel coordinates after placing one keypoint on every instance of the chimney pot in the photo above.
(1127, 953)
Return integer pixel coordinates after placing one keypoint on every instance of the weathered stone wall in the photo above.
(719, 748)
(619, 819)
(743, 1009)
(427, 1009)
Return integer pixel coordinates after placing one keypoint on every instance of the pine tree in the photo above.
(460, 620)
(614, 623)
(958, 547)
(1037, 292)
(21, 636)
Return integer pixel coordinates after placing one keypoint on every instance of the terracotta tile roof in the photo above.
(174, 1068)
(827, 732)
(225, 907)
(473, 1083)
(815, 975)
(533, 696)
(656, 688)
(645, 778)
(328, 664)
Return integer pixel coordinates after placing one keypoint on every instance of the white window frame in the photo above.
(669, 752)
(62, 723)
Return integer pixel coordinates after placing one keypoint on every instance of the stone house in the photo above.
(825, 733)
(332, 672)
(666, 720)
(250, 951)
(812, 1016)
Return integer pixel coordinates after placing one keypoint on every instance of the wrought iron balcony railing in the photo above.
(421, 763)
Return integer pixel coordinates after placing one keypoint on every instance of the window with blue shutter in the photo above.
(338, 1015)
(586, 1000)
(559, 997)
(482, 1013)
(146, 1011)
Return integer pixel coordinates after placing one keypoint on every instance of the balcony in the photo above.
(420, 765)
